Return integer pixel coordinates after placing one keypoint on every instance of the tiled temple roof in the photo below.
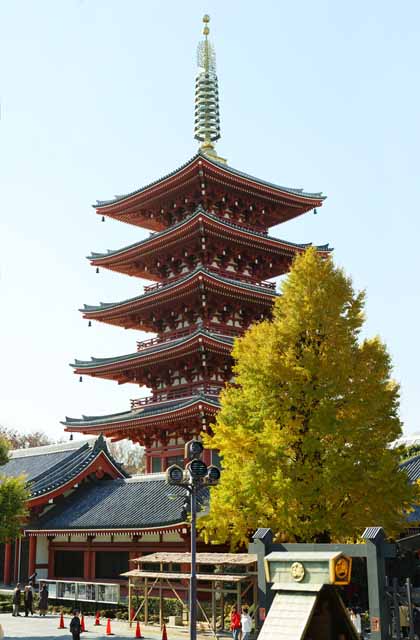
(145, 411)
(165, 287)
(223, 222)
(50, 467)
(133, 503)
(412, 469)
(235, 172)
(157, 348)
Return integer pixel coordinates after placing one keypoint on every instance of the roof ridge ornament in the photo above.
(207, 116)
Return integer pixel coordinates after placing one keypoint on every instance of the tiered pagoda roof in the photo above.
(209, 255)
(215, 185)
(145, 258)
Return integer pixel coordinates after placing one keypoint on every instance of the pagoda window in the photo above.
(175, 460)
(156, 465)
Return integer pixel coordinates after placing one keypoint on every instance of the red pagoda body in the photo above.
(210, 260)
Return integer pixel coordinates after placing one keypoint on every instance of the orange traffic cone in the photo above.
(61, 625)
(164, 634)
(138, 631)
(108, 628)
(82, 623)
(97, 620)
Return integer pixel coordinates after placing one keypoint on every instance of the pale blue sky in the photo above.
(97, 99)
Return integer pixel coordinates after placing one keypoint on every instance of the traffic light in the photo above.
(193, 450)
(174, 474)
(213, 475)
(197, 469)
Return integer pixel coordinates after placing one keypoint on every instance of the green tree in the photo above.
(13, 497)
(305, 432)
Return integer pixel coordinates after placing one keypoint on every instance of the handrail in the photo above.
(231, 275)
(185, 392)
(224, 330)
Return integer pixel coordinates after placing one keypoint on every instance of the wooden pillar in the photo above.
(238, 596)
(32, 555)
(7, 562)
(129, 603)
(92, 565)
(222, 605)
(160, 604)
(51, 569)
(213, 608)
(16, 560)
(146, 601)
(86, 564)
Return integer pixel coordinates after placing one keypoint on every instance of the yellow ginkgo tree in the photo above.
(305, 432)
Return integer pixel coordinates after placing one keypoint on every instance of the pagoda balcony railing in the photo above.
(174, 394)
(224, 330)
(231, 275)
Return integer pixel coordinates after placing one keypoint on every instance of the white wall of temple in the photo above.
(41, 557)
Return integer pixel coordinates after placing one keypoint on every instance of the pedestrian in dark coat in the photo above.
(28, 599)
(75, 626)
(43, 600)
(16, 600)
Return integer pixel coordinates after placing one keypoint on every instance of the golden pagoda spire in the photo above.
(207, 117)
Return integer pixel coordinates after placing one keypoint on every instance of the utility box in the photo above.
(307, 605)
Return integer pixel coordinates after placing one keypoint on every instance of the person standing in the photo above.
(246, 623)
(75, 626)
(235, 623)
(16, 600)
(28, 599)
(43, 600)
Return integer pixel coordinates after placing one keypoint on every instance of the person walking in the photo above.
(246, 623)
(28, 599)
(43, 600)
(16, 600)
(235, 623)
(75, 626)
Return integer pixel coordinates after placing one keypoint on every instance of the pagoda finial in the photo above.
(207, 118)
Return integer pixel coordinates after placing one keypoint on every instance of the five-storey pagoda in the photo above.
(209, 257)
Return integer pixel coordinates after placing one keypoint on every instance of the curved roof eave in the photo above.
(170, 406)
(165, 346)
(105, 306)
(100, 204)
(200, 211)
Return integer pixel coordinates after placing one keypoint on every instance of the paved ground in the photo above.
(34, 628)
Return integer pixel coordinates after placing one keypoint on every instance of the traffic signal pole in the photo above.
(194, 476)
(193, 577)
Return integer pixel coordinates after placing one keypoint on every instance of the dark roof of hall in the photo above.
(52, 466)
(412, 469)
(132, 503)
(298, 192)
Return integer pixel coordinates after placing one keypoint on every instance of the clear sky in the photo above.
(97, 99)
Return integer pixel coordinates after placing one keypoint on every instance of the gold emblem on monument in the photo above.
(297, 571)
(342, 570)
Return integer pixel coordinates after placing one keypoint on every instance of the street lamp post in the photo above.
(194, 476)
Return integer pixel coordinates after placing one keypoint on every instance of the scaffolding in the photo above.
(216, 585)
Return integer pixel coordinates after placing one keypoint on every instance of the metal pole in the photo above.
(410, 609)
(193, 577)
(397, 626)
